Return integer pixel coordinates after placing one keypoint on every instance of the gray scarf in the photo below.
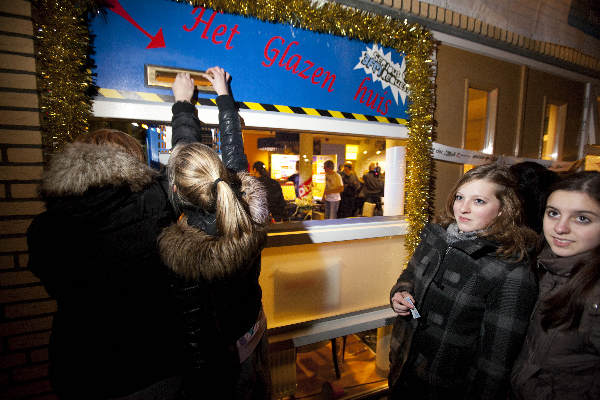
(454, 235)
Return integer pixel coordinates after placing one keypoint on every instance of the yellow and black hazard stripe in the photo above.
(248, 105)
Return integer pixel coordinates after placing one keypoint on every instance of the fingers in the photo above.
(183, 87)
(219, 78)
(400, 305)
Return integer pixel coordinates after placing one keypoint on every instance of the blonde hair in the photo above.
(507, 228)
(238, 202)
(203, 181)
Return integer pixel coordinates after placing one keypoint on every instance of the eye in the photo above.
(458, 197)
(582, 219)
(479, 202)
(552, 213)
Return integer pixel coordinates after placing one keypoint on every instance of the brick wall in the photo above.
(25, 309)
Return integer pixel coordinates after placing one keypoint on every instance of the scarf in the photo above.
(453, 234)
(561, 266)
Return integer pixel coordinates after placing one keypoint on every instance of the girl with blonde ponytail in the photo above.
(214, 252)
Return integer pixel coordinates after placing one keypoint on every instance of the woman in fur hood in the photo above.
(214, 251)
(116, 332)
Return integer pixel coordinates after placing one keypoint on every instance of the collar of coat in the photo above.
(473, 247)
(82, 166)
(193, 254)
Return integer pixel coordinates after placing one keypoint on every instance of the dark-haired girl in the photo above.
(561, 355)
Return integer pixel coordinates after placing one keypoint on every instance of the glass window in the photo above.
(281, 152)
(553, 130)
(480, 124)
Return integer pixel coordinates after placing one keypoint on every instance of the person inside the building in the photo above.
(116, 332)
(295, 179)
(214, 251)
(351, 188)
(333, 187)
(464, 300)
(561, 355)
(275, 200)
(372, 189)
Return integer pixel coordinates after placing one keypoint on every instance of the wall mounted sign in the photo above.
(275, 67)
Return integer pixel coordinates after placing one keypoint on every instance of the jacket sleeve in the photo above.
(506, 317)
(187, 128)
(232, 145)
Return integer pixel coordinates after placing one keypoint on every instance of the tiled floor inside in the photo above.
(359, 379)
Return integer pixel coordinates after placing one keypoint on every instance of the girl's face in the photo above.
(476, 205)
(571, 223)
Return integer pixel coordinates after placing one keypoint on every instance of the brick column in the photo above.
(25, 309)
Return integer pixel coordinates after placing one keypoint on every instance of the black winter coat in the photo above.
(116, 330)
(215, 282)
(474, 311)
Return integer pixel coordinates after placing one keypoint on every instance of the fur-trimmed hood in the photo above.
(193, 254)
(82, 166)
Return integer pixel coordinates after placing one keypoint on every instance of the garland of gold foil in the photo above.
(410, 39)
(64, 82)
(63, 64)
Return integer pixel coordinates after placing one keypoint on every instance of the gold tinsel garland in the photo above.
(63, 58)
(63, 64)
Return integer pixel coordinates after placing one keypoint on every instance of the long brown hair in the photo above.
(507, 228)
(566, 306)
(114, 137)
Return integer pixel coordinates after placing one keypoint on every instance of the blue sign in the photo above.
(270, 63)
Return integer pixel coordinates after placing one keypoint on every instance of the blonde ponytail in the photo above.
(235, 202)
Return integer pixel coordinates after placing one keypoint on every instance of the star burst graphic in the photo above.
(381, 67)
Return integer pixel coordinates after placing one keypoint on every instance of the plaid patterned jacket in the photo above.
(475, 309)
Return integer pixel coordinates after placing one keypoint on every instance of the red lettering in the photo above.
(370, 103)
(200, 20)
(219, 31)
(292, 64)
(275, 51)
(286, 51)
(295, 65)
(310, 65)
(316, 75)
(332, 76)
(363, 89)
(234, 31)
(387, 103)
(381, 101)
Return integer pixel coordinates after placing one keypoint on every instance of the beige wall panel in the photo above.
(485, 73)
(16, 44)
(17, 7)
(27, 100)
(20, 63)
(558, 91)
(11, 136)
(16, 25)
(17, 81)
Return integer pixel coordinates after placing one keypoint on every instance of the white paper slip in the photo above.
(413, 311)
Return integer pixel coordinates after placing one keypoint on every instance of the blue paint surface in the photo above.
(121, 54)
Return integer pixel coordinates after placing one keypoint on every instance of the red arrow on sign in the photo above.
(156, 41)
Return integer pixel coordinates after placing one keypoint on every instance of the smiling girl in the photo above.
(561, 355)
(470, 280)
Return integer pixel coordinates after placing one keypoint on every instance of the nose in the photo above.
(562, 226)
(463, 207)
